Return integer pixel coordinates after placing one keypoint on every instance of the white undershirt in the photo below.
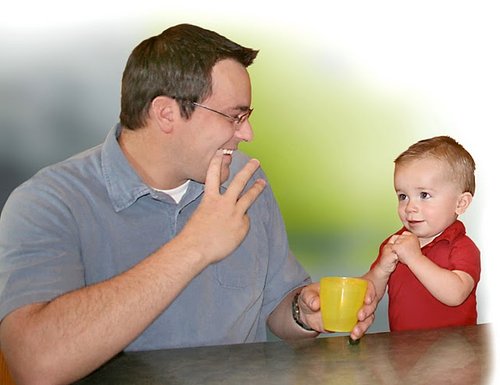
(176, 193)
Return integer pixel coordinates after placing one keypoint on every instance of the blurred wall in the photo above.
(338, 93)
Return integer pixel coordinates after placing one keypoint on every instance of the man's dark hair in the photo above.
(177, 63)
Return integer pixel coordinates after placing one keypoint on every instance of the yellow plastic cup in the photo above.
(340, 300)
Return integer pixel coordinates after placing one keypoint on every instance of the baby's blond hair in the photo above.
(447, 149)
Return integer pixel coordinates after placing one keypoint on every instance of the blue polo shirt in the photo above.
(91, 217)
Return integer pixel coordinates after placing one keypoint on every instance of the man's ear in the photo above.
(464, 200)
(163, 112)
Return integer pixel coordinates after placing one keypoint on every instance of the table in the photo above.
(459, 355)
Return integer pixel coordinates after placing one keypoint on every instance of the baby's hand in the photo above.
(406, 246)
(389, 258)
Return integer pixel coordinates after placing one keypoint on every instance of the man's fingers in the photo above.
(212, 181)
(237, 185)
(241, 179)
(247, 199)
(311, 300)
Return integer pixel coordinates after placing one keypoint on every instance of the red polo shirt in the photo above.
(411, 306)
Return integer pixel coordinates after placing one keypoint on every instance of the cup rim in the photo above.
(358, 280)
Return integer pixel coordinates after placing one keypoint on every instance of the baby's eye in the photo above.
(425, 195)
(401, 197)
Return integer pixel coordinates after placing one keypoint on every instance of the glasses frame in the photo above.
(237, 120)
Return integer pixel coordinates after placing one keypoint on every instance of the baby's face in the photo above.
(428, 197)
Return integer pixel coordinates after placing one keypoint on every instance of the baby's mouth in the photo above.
(227, 151)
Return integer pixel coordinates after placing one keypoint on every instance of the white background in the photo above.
(442, 52)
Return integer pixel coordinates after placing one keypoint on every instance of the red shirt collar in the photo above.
(452, 232)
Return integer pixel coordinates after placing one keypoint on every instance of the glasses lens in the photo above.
(244, 116)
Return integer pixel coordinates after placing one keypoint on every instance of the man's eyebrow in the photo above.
(242, 108)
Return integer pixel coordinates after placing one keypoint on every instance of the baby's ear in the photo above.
(464, 200)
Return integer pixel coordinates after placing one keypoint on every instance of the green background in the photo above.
(327, 142)
(339, 91)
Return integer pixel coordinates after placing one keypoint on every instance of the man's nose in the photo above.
(245, 131)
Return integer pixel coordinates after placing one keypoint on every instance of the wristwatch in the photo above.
(296, 313)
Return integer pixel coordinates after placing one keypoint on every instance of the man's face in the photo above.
(207, 131)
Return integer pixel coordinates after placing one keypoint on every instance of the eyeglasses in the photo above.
(236, 120)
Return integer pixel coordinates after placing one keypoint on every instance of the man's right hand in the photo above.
(220, 223)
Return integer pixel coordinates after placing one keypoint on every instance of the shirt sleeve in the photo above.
(465, 256)
(285, 271)
(39, 252)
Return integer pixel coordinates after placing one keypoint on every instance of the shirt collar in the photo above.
(452, 232)
(122, 182)
(124, 186)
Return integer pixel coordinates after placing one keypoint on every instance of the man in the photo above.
(135, 245)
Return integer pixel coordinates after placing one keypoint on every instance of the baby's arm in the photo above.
(380, 273)
(451, 287)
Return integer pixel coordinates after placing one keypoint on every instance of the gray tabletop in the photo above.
(442, 356)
